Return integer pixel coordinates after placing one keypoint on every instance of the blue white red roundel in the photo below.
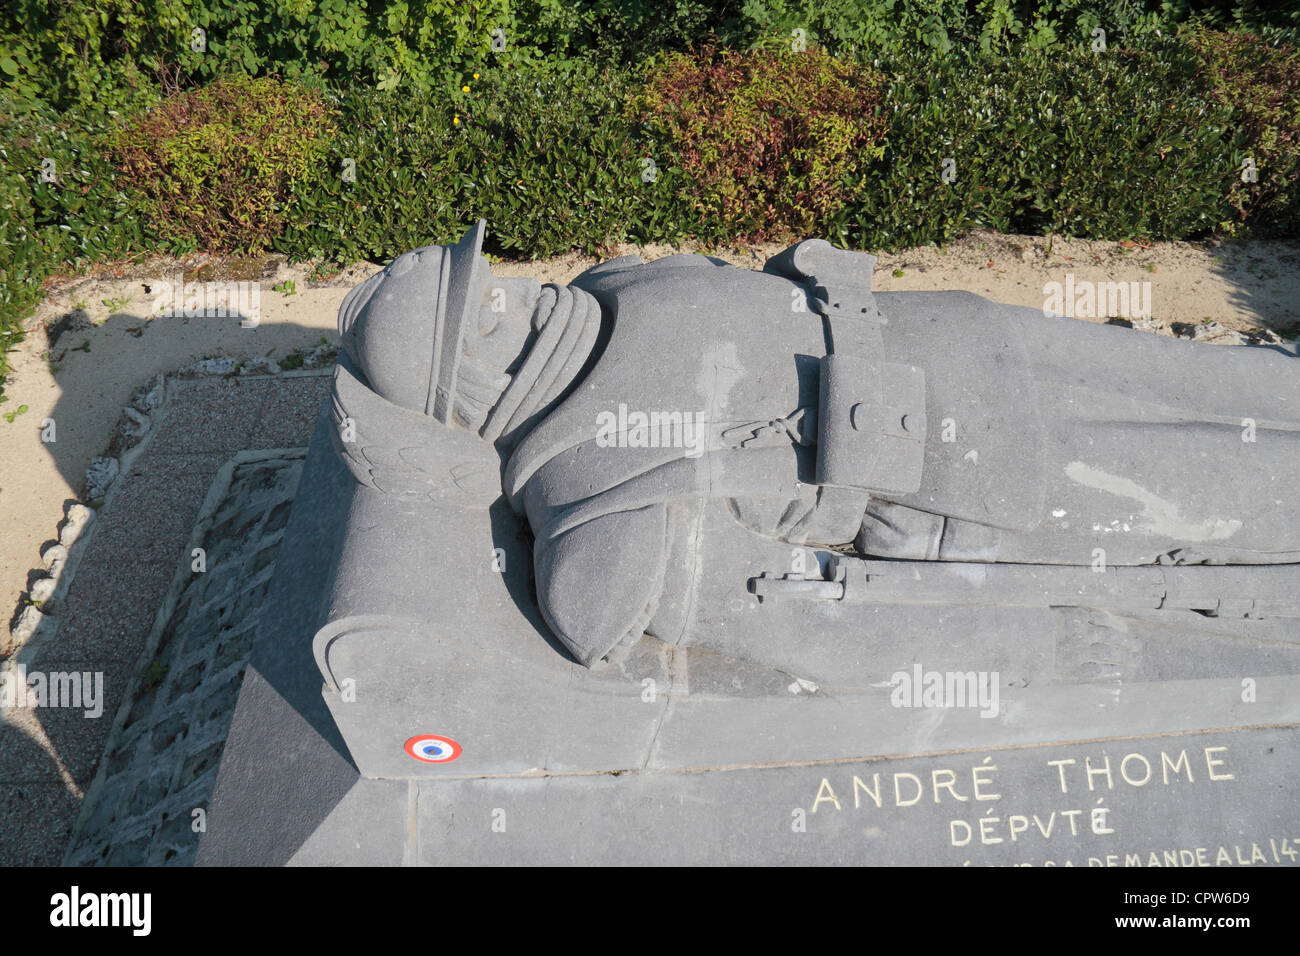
(430, 748)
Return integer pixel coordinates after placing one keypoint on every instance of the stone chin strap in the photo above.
(478, 389)
(465, 271)
(567, 323)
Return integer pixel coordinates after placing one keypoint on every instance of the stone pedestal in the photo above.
(1147, 740)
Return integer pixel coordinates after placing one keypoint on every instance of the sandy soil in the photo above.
(94, 340)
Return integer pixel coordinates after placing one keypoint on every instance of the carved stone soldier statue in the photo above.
(674, 433)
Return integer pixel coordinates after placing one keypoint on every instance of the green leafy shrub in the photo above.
(844, 26)
(26, 263)
(1276, 22)
(555, 166)
(217, 167)
(85, 209)
(386, 181)
(626, 32)
(1144, 151)
(1260, 82)
(1115, 145)
(60, 204)
(116, 53)
(417, 46)
(945, 169)
(767, 142)
(117, 48)
(543, 152)
(885, 29)
(104, 55)
(28, 257)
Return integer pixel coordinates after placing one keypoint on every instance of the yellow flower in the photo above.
(476, 76)
(464, 89)
(456, 120)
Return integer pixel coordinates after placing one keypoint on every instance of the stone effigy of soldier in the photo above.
(665, 428)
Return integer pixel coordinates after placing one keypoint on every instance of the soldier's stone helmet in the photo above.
(404, 327)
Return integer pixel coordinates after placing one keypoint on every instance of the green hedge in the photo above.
(1130, 143)
(541, 153)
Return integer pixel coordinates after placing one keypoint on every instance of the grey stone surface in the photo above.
(23, 754)
(372, 825)
(285, 766)
(1145, 802)
(873, 526)
(287, 795)
(188, 427)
